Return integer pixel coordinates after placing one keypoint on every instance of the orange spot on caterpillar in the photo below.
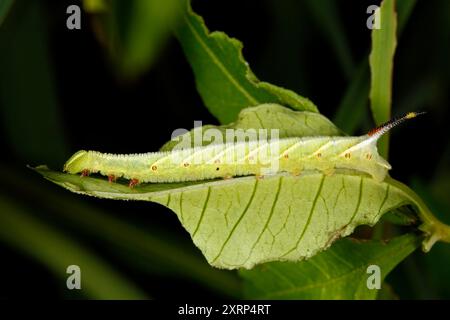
(250, 158)
(111, 178)
(368, 156)
(85, 172)
(319, 155)
(186, 164)
(286, 156)
(217, 161)
(154, 168)
(133, 183)
(348, 155)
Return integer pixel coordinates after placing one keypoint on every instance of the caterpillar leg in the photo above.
(111, 178)
(227, 177)
(259, 177)
(85, 172)
(328, 171)
(133, 183)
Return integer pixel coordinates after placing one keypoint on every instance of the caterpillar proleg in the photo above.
(271, 156)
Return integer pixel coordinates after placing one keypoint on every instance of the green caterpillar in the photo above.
(291, 155)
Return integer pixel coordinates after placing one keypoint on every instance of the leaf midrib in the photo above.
(222, 67)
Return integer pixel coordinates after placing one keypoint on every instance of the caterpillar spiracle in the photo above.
(292, 155)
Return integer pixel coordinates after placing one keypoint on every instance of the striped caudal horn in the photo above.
(385, 127)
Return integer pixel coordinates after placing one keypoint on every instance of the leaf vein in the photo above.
(358, 203)
(208, 192)
(309, 217)
(238, 221)
(272, 209)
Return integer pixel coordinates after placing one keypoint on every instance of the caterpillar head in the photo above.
(77, 162)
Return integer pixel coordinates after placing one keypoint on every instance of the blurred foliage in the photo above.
(315, 279)
(5, 5)
(31, 118)
(57, 94)
(356, 96)
(53, 249)
(224, 79)
(133, 32)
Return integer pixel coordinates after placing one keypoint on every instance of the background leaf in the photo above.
(288, 123)
(338, 273)
(58, 252)
(404, 9)
(381, 59)
(134, 32)
(223, 77)
(352, 110)
(308, 213)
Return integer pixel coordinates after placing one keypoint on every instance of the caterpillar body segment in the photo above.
(255, 157)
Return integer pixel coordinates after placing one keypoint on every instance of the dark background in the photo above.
(93, 107)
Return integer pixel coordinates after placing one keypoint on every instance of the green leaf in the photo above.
(338, 273)
(381, 62)
(224, 79)
(246, 221)
(289, 123)
(31, 118)
(401, 217)
(134, 31)
(433, 267)
(353, 106)
(5, 5)
(95, 6)
(404, 9)
(57, 252)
